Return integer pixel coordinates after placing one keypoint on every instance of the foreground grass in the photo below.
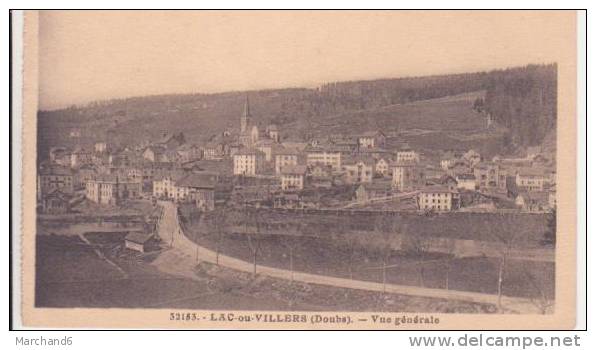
(70, 274)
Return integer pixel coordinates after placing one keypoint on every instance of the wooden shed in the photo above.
(137, 241)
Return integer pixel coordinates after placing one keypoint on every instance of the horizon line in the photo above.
(306, 86)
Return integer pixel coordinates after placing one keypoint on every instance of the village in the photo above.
(365, 206)
(254, 166)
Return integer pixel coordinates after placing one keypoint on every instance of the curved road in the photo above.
(171, 233)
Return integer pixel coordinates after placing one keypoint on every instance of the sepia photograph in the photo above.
(300, 169)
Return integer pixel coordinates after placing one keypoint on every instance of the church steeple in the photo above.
(245, 118)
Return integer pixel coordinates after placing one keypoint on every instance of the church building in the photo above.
(249, 131)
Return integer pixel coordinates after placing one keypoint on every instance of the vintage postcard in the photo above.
(299, 170)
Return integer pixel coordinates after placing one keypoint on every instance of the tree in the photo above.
(448, 260)
(419, 245)
(550, 235)
(253, 238)
(386, 227)
(291, 241)
(508, 237)
(541, 300)
(478, 104)
(218, 222)
(348, 242)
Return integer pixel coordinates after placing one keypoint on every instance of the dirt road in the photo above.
(185, 255)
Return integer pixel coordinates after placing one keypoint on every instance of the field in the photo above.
(325, 254)
(70, 274)
(530, 228)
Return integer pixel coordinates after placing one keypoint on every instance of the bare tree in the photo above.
(348, 241)
(292, 242)
(386, 227)
(508, 237)
(218, 225)
(541, 300)
(352, 242)
(419, 245)
(450, 251)
(253, 236)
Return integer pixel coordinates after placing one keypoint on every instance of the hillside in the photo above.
(429, 112)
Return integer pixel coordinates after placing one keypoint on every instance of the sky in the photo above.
(96, 55)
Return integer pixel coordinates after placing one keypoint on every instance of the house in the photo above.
(448, 158)
(371, 139)
(446, 163)
(438, 198)
(295, 145)
(287, 201)
(552, 198)
(111, 189)
(212, 151)
(233, 148)
(472, 157)
(490, 176)
(375, 153)
(284, 157)
(466, 181)
(151, 171)
(533, 201)
(171, 155)
(138, 241)
(248, 162)
(324, 156)
(132, 173)
(123, 158)
(75, 133)
(164, 184)
(188, 153)
(382, 167)
(55, 177)
(449, 182)
(292, 177)
(367, 191)
(273, 132)
(83, 174)
(267, 146)
(60, 156)
(531, 179)
(171, 141)
(79, 157)
(320, 171)
(407, 154)
(407, 176)
(101, 147)
(198, 188)
(55, 202)
(154, 154)
(458, 167)
(358, 169)
(344, 145)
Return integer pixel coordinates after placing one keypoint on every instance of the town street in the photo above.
(182, 258)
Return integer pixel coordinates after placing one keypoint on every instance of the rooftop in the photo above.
(437, 189)
(138, 237)
(405, 163)
(293, 169)
(56, 170)
(197, 180)
(466, 177)
(249, 152)
(355, 160)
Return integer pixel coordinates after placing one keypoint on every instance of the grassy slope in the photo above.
(201, 116)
